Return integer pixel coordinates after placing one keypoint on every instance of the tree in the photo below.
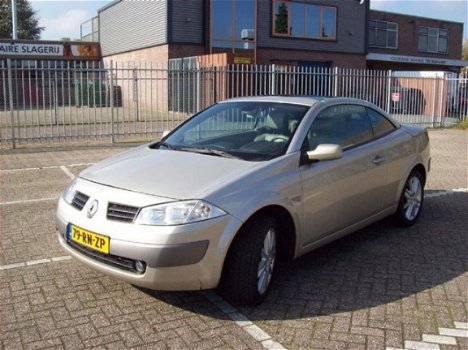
(465, 50)
(27, 20)
(464, 70)
(281, 21)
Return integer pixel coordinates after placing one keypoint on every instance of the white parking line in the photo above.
(67, 172)
(24, 201)
(445, 192)
(35, 262)
(248, 326)
(44, 167)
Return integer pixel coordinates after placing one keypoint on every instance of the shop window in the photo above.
(229, 18)
(301, 20)
(383, 34)
(433, 40)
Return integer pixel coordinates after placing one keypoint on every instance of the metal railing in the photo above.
(61, 101)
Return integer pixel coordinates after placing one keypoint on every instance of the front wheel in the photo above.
(411, 200)
(250, 263)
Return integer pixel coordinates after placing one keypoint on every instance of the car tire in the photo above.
(411, 200)
(250, 263)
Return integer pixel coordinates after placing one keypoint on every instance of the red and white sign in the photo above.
(395, 96)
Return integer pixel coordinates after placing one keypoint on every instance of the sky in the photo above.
(62, 18)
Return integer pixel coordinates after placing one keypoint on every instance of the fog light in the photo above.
(140, 266)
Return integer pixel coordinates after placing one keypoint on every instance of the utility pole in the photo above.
(14, 19)
(10, 72)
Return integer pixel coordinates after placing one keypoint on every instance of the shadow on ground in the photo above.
(377, 265)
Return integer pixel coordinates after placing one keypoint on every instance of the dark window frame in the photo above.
(289, 35)
(232, 43)
(387, 30)
(424, 33)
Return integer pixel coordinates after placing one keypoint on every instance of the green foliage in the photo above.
(281, 21)
(465, 50)
(464, 70)
(27, 20)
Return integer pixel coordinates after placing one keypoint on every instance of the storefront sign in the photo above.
(416, 60)
(242, 60)
(62, 50)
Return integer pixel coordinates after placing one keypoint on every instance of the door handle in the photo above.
(378, 160)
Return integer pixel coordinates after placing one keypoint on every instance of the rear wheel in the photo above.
(250, 263)
(411, 200)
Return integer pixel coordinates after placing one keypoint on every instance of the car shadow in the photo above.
(376, 265)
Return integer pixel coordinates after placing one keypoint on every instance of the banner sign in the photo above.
(51, 50)
(416, 60)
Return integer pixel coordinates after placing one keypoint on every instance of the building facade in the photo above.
(304, 33)
(301, 33)
(402, 42)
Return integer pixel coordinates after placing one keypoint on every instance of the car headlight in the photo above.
(178, 213)
(69, 192)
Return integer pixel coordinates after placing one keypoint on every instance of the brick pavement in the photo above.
(383, 287)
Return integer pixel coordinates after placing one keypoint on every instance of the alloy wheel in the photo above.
(267, 261)
(413, 198)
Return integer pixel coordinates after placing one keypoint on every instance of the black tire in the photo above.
(240, 281)
(411, 200)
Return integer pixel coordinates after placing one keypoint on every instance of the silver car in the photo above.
(217, 200)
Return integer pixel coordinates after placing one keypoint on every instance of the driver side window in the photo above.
(344, 125)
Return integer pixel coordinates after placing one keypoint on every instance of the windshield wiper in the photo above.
(208, 151)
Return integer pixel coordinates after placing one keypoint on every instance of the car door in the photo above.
(339, 193)
(395, 143)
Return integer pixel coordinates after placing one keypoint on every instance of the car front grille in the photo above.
(79, 200)
(122, 263)
(121, 212)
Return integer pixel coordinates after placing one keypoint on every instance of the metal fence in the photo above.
(61, 101)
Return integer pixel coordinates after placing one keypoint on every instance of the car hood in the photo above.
(167, 173)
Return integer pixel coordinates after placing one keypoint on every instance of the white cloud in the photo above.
(64, 25)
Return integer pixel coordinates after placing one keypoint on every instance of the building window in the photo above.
(233, 24)
(433, 40)
(300, 20)
(383, 34)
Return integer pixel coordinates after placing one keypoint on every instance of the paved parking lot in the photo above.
(381, 288)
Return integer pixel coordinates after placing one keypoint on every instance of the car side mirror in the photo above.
(325, 152)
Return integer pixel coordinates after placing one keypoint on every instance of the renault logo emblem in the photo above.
(92, 209)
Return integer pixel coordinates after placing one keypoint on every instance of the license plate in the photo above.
(89, 239)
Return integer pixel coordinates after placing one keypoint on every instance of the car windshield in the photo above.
(247, 130)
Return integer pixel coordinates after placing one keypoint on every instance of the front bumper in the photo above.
(184, 257)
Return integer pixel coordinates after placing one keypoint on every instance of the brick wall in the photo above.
(408, 34)
(291, 57)
(156, 55)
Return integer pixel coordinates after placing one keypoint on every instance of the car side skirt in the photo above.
(346, 231)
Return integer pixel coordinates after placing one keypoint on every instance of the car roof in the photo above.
(302, 100)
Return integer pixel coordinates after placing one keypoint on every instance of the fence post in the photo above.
(136, 94)
(335, 82)
(10, 95)
(111, 99)
(198, 91)
(434, 81)
(442, 96)
(389, 90)
(273, 80)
